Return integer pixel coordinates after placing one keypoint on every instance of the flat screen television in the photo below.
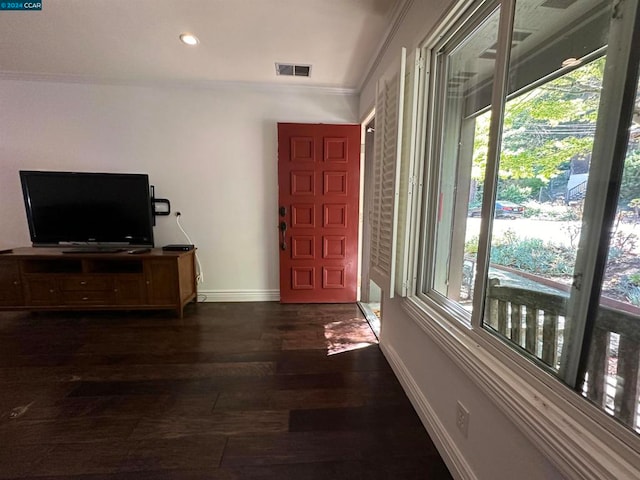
(88, 209)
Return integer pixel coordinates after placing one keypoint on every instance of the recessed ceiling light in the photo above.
(189, 39)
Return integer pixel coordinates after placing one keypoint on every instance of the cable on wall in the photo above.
(200, 273)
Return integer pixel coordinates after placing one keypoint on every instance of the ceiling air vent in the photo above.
(517, 37)
(293, 70)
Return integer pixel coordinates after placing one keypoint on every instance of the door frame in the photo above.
(366, 180)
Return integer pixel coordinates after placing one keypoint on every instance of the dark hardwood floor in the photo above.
(232, 391)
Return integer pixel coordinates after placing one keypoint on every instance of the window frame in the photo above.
(478, 12)
(576, 435)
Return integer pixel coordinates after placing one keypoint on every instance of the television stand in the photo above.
(49, 279)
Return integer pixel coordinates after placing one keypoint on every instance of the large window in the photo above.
(532, 211)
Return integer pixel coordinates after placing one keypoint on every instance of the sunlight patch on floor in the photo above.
(347, 335)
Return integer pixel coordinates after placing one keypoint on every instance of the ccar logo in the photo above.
(20, 5)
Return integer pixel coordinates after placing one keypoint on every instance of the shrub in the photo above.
(532, 210)
(549, 211)
(532, 255)
(629, 287)
(622, 246)
(514, 193)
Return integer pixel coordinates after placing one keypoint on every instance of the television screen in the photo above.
(88, 208)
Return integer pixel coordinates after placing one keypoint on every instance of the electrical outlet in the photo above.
(462, 419)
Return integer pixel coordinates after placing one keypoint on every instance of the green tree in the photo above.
(545, 128)
(630, 186)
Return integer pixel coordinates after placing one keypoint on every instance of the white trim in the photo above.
(575, 442)
(238, 295)
(447, 448)
(398, 15)
(200, 84)
(444, 23)
(407, 179)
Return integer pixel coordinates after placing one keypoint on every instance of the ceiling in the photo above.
(240, 40)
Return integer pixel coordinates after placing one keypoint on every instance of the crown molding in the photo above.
(175, 83)
(397, 16)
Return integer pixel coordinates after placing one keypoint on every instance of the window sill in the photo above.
(565, 428)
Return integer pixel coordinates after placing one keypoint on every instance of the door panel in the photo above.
(319, 179)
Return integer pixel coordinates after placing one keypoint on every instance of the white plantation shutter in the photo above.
(386, 171)
(407, 179)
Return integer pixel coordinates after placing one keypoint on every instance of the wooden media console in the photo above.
(48, 279)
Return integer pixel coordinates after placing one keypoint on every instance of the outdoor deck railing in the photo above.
(535, 321)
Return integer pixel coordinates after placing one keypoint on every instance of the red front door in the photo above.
(318, 177)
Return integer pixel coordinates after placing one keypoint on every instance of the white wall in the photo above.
(211, 151)
(494, 449)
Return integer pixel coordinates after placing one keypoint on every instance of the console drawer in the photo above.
(100, 297)
(85, 283)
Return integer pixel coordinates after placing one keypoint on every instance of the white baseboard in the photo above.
(238, 295)
(449, 451)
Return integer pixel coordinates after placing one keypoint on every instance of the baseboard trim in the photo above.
(238, 295)
(449, 451)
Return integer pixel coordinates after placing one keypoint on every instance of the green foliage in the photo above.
(471, 245)
(548, 211)
(630, 186)
(534, 184)
(480, 146)
(532, 255)
(629, 289)
(544, 128)
(532, 210)
(622, 246)
(538, 257)
(633, 295)
(543, 161)
(512, 192)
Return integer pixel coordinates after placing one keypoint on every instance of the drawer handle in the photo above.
(16, 282)
(51, 290)
(85, 298)
(83, 282)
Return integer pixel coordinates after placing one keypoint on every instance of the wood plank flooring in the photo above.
(232, 391)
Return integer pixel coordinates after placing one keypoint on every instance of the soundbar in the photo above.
(178, 247)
